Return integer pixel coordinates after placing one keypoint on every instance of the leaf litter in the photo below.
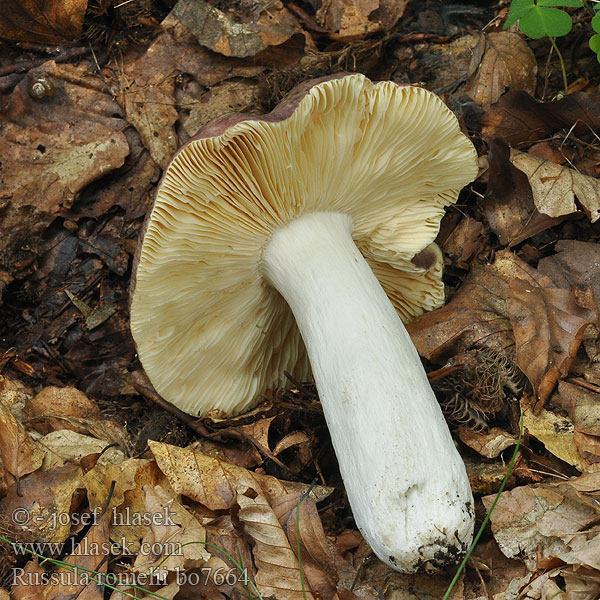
(95, 98)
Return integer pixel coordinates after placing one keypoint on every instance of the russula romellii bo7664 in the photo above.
(286, 238)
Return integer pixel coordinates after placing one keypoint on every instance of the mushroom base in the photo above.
(405, 480)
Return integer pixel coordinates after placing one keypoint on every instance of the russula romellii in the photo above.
(286, 238)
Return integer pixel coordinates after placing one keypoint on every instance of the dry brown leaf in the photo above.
(318, 561)
(277, 569)
(127, 497)
(548, 325)
(582, 405)
(295, 438)
(90, 554)
(555, 187)
(351, 19)
(209, 480)
(501, 60)
(463, 242)
(20, 455)
(477, 316)
(240, 33)
(509, 206)
(487, 443)
(177, 535)
(30, 585)
(55, 408)
(68, 446)
(43, 503)
(42, 21)
(231, 96)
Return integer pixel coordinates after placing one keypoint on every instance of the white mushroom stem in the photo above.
(405, 480)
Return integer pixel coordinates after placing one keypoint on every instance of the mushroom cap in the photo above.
(211, 333)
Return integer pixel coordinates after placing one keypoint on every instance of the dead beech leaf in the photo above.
(501, 60)
(128, 498)
(318, 561)
(44, 498)
(291, 439)
(477, 315)
(521, 120)
(68, 446)
(238, 33)
(19, 453)
(352, 19)
(489, 443)
(42, 21)
(556, 433)
(209, 480)
(509, 204)
(175, 531)
(277, 569)
(56, 408)
(555, 186)
(548, 325)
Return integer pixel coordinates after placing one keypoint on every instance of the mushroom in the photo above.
(306, 235)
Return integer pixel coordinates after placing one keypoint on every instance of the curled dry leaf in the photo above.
(575, 264)
(522, 120)
(509, 205)
(510, 307)
(318, 562)
(477, 315)
(219, 486)
(240, 32)
(487, 443)
(501, 60)
(555, 187)
(47, 22)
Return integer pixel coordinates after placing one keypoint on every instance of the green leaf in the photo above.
(595, 44)
(517, 9)
(568, 3)
(596, 23)
(541, 21)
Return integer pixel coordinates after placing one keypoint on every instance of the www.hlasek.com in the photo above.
(193, 577)
(84, 547)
